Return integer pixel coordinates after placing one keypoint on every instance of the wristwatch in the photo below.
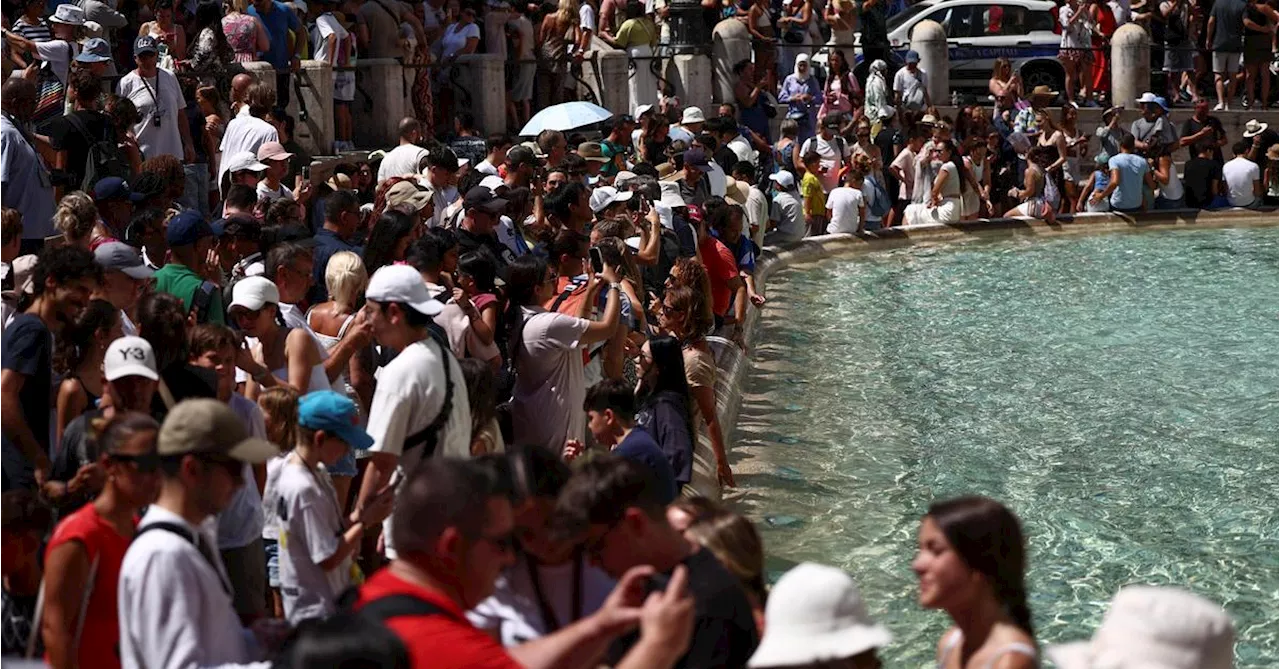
(615, 286)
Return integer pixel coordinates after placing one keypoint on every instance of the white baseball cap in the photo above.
(783, 178)
(1157, 627)
(816, 614)
(692, 115)
(130, 356)
(245, 161)
(254, 293)
(493, 182)
(604, 196)
(402, 283)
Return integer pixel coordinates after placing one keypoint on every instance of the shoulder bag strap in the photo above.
(184, 533)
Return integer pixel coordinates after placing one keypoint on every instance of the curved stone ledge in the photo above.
(733, 363)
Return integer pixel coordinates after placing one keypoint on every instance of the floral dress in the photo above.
(242, 34)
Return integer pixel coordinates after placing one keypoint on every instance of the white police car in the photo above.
(979, 32)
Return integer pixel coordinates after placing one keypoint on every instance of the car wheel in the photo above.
(1043, 75)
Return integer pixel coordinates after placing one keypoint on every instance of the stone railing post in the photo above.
(263, 72)
(376, 118)
(929, 39)
(1130, 65)
(730, 44)
(315, 81)
(483, 76)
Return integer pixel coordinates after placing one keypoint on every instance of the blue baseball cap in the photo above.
(95, 50)
(911, 57)
(186, 229)
(114, 188)
(334, 413)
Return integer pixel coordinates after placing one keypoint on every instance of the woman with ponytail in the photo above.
(545, 352)
(78, 358)
(972, 564)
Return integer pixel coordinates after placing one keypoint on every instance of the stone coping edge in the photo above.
(733, 363)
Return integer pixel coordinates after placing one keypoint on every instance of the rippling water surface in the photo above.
(1119, 392)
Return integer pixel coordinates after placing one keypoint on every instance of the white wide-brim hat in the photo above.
(815, 614)
(1154, 628)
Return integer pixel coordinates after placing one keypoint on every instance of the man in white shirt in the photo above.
(407, 158)
(317, 543)
(420, 406)
(498, 145)
(1244, 182)
(911, 84)
(249, 132)
(174, 595)
(442, 171)
(833, 150)
(163, 130)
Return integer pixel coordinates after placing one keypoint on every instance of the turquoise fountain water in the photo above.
(1119, 392)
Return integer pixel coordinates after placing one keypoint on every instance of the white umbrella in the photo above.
(565, 116)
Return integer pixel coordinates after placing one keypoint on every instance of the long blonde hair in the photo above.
(566, 13)
(345, 278)
(75, 217)
(736, 544)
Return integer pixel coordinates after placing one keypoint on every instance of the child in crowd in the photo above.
(280, 412)
(785, 215)
(317, 543)
(336, 45)
(815, 200)
(847, 205)
(611, 411)
(1097, 183)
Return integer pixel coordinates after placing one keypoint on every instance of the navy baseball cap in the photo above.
(186, 229)
(697, 158)
(145, 44)
(334, 413)
(114, 188)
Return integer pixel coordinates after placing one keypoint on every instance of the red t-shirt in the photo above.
(439, 641)
(722, 268)
(101, 622)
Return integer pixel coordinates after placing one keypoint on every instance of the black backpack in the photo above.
(104, 158)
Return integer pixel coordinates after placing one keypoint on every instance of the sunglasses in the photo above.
(147, 463)
(230, 465)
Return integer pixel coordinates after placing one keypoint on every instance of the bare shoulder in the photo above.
(1007, 646)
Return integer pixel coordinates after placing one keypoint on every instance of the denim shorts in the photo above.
(272, 549)
(346, 466)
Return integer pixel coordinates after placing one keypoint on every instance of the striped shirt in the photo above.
(36, 32)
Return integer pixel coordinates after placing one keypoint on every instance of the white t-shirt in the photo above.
(157, 97)
(910, 87)
(327, 24)
(844, 203)
(1240, 173)
(546, 405)
(58, 54)
(409, 396)
(486, 167)
(310, 525)
(757, 213)
(267, 193)
(401, 161)
(834, 151)
(456, 36)
(271, 499)
(241, 522)
(245, 133)
(587, 17)
(513, 612)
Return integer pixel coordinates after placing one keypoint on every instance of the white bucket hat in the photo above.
(68, 14)
(1154, 628)
(692, 115)
(815, 614)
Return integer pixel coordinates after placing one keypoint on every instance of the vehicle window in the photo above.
(960, 23)
(996, 20)
(902, 17)
(1040, 21)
